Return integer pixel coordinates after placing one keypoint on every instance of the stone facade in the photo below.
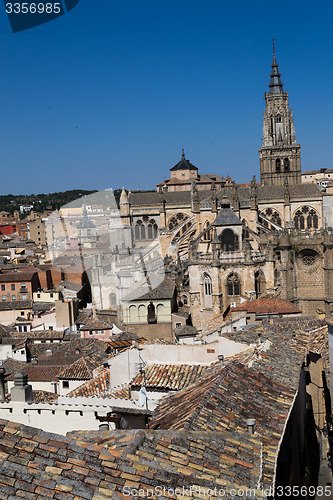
(280, 155)
(231, 243)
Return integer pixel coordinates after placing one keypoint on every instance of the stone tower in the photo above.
(280, 155)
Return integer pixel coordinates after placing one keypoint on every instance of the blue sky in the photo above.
(108, 94)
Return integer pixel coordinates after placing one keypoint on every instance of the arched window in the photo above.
(132, 314)
(160, 311)
(233, 285)
(184, 300)
(286, 165)
(260, 283)
(271, 214)
(306, 218)
(140, 230)
(207, 284)
(206, 236)
(229, 241)
(207, 290)
(142, 313)
(278, 119)
(113, 299)
(176, 220)
(152, 230)
(151, 315)
(278, 165)
(312, 220)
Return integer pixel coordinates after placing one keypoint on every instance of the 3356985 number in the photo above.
(33, 8)
(303, 491)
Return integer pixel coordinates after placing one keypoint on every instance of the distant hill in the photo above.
(41, 202)
(50, 201)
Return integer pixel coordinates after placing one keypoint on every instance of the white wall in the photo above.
(73, 384)
(45, 321)
(6, 351)
(36, 386)
(59, 419)
(124, 366)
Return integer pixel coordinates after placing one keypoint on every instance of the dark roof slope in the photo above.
(183, 164)
(224, 400)
(37, 464)
(227, 217)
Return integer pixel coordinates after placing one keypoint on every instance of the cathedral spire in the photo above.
(275, 86)
(280, 155)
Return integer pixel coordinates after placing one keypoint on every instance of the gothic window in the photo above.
(229, 241)
(140, 230)
(145, 229)
(152, 230)
(306, 218)
(208, 285)
(271, 214)
(176, 220)
(206, 236)
(233, 285)
(276, 277)
(186, 227)
(278, 165)
(286, 165)
(278, 119)
(307, 258)
(206, 281)
(260, 283)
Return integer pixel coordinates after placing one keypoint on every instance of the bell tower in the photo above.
(280, 155)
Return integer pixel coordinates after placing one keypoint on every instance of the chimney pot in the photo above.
(220, 357)
(250, 422)
(104, 427)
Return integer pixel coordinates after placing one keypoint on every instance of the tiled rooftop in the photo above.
(82, 369)
(15, 305)
(95, 324)
(100, 386)
(35, 372)
(38, 465)
(8, 277)
(268, 306)
(174, 377)
(65, 353)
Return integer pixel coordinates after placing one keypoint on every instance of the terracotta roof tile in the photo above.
(267, 306)
(100, 386)
(82, 369)
(174, 377)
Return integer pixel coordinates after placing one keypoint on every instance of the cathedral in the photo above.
(218, 243)
(233, 242)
